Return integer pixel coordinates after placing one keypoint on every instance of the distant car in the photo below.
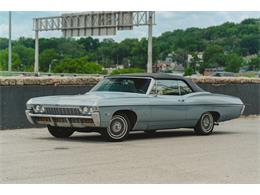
(136, 102)
(223, 74)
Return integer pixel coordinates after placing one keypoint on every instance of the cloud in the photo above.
(3, 30)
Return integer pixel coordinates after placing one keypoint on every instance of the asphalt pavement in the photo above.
(230, 155)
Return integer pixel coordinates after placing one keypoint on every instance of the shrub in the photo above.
(127, 70)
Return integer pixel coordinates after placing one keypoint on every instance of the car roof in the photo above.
(194, 87)
(152, 75)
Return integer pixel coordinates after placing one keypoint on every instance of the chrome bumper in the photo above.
(242, 109)
(64, 120)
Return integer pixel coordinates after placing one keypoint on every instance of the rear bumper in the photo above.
(242, 109)
(64, 120)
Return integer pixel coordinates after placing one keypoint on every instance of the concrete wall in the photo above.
(13, 99)
(13, 96)
(248, 93)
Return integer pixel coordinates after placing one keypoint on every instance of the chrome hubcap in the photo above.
(207, 122)
(118, 127)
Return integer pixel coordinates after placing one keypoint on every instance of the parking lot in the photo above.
(230, 155)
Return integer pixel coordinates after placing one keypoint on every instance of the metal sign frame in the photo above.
(94, 24)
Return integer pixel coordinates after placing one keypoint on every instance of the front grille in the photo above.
(83, 120)
(62, 111)
(59, 120)
(41, 119)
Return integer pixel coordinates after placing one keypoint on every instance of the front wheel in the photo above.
(60, 132)
(205, 124)
(118, 129)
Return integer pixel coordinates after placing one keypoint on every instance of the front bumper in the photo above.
(242, 109)
(77, 121)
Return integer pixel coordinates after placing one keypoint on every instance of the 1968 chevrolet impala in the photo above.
(123, 103)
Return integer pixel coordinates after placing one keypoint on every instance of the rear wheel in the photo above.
(205, 124)
(118, 129)
(60, 132)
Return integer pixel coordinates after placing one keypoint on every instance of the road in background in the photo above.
(230, 155)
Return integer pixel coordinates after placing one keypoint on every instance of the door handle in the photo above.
(181, 100)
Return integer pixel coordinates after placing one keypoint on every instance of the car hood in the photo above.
(88, 99)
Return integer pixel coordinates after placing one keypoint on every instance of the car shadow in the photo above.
(97, 138)
(170, 133)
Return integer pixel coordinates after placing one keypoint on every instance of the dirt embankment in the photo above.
(92, 80)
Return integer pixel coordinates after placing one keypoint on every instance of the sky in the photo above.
(165, 21)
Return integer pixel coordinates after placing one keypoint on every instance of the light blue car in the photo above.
(135, 102)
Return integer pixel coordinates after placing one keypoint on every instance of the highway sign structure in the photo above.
(94, 24)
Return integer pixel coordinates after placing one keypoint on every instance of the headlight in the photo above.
(85, 110)
(39, 109)
(88, 109)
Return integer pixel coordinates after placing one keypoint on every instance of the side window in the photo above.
(171, 87)
(167, 87)
(184, 88)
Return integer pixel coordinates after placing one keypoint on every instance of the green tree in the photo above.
(233, 62)
(16, 62)
(80, 65)
(47, 57)
(89, 44)
(127, 71)
(216, 42)
(255, 63)
(26, 55)
(250, 44)
(188, 71)
(3, 43)
(214, 56)
(194, 61)
(181, 56)
(26, 42)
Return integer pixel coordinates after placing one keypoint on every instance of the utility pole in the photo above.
(36, 57)
(10, 43)
(150, 43)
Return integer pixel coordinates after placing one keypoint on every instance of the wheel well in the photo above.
(215, 115)
(130, 114)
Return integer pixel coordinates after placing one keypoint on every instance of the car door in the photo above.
(167, 105)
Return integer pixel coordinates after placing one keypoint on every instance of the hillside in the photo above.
(224, 45)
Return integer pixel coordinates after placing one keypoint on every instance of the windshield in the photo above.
(130, 85)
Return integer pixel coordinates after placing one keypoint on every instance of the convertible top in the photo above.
(153, 75)
(194, 87)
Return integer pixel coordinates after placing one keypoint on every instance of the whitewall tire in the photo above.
(118, 128)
